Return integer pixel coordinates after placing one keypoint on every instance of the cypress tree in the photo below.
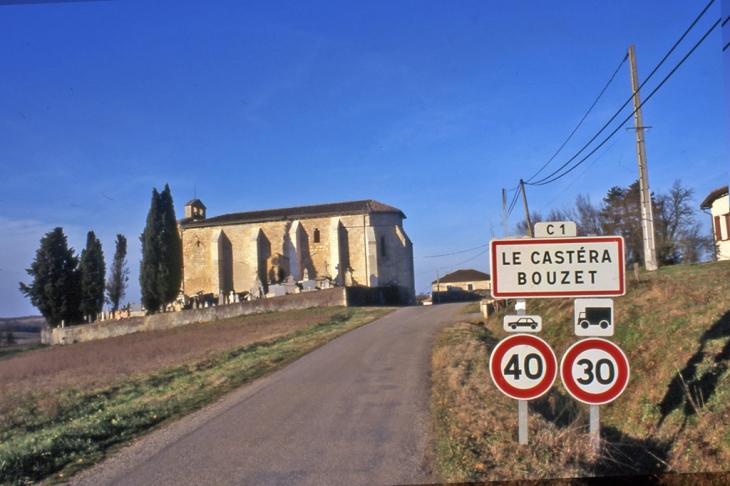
(56, 287)
(118, 274)
(160, 271)
(151, 257)
(172, 248)
(92, 269)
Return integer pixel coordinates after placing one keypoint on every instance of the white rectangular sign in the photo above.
(594, 317)
(522, 323)
(557, 267)
(555, 229)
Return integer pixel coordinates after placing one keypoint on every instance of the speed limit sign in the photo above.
(594, 371)
(523, 366)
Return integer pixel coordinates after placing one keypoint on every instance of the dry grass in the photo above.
(674, 416)
(103, 362)
(65, 408)
(477, 425)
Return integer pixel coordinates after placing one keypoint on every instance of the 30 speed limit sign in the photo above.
(594, 371)
(523, 366)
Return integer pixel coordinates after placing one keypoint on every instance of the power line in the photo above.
(581, 120)
(514, 200)
(581, 175)
(456, 252)
(472, 258)
(542, 181)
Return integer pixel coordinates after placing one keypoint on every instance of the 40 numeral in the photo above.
(513, 366)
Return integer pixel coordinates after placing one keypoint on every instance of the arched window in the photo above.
(316, 235)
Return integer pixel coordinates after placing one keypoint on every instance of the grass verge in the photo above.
(49, 437)
(674, 417)
(9, 351)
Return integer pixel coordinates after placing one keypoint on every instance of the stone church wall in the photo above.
(354, 250)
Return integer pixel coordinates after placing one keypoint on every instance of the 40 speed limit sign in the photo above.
(594, 371)
(523, 366)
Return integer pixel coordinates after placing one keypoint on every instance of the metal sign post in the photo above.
(522, 426)
(523, 367)
(594, 371)
(595, 429)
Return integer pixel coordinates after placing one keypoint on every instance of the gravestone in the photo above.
(276, 290)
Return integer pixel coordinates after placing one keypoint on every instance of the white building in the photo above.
(717, 203)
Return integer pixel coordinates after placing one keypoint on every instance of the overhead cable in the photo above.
(581, 120)
(544, 181)
(456, 252)
(541, 181)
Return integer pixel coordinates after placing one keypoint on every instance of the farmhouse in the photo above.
(461, 285)
(355, 243)
(717, 203)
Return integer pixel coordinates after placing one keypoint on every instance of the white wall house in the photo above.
(717, 203)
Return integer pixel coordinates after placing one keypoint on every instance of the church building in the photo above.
(355, 243)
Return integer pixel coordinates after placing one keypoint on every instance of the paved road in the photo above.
(352, 412)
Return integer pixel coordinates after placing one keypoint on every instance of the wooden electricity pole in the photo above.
(647, 218)
(504, 214)
(527, 211)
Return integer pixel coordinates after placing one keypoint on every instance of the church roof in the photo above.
(365, 206)
(196, 202)
(713, 196)
(466, 275)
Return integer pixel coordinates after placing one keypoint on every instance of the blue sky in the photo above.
(432, 107)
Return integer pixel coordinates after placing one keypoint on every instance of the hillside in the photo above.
(674, 326)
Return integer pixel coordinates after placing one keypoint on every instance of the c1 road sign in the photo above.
(594, 371)
(557, 267)
(523, 366)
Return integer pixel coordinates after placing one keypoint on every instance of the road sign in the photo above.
(594, 317)
(523, 366)
(522, 323)
(555, 229)
(594, 371)
(557, 267)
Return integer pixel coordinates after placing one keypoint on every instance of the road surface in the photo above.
(354, 411)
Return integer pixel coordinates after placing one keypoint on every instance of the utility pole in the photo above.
(438, 289)
(504, 214)
(647, 218)
(527, 211)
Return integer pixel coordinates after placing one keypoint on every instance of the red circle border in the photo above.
(578, 393)
(495, 371)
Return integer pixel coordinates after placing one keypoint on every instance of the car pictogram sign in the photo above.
(594, 371)
(522, 323)
(523, 366)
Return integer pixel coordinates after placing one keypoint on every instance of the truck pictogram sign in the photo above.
(594, 317)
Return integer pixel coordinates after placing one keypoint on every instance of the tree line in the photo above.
(678, 234)
(72, 289)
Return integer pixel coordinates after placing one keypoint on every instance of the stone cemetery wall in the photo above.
(100, 330)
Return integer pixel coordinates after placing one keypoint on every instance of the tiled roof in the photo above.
(301, 212)
(714, 195)
(467, 275)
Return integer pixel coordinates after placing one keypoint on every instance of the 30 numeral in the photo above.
(601, 365)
